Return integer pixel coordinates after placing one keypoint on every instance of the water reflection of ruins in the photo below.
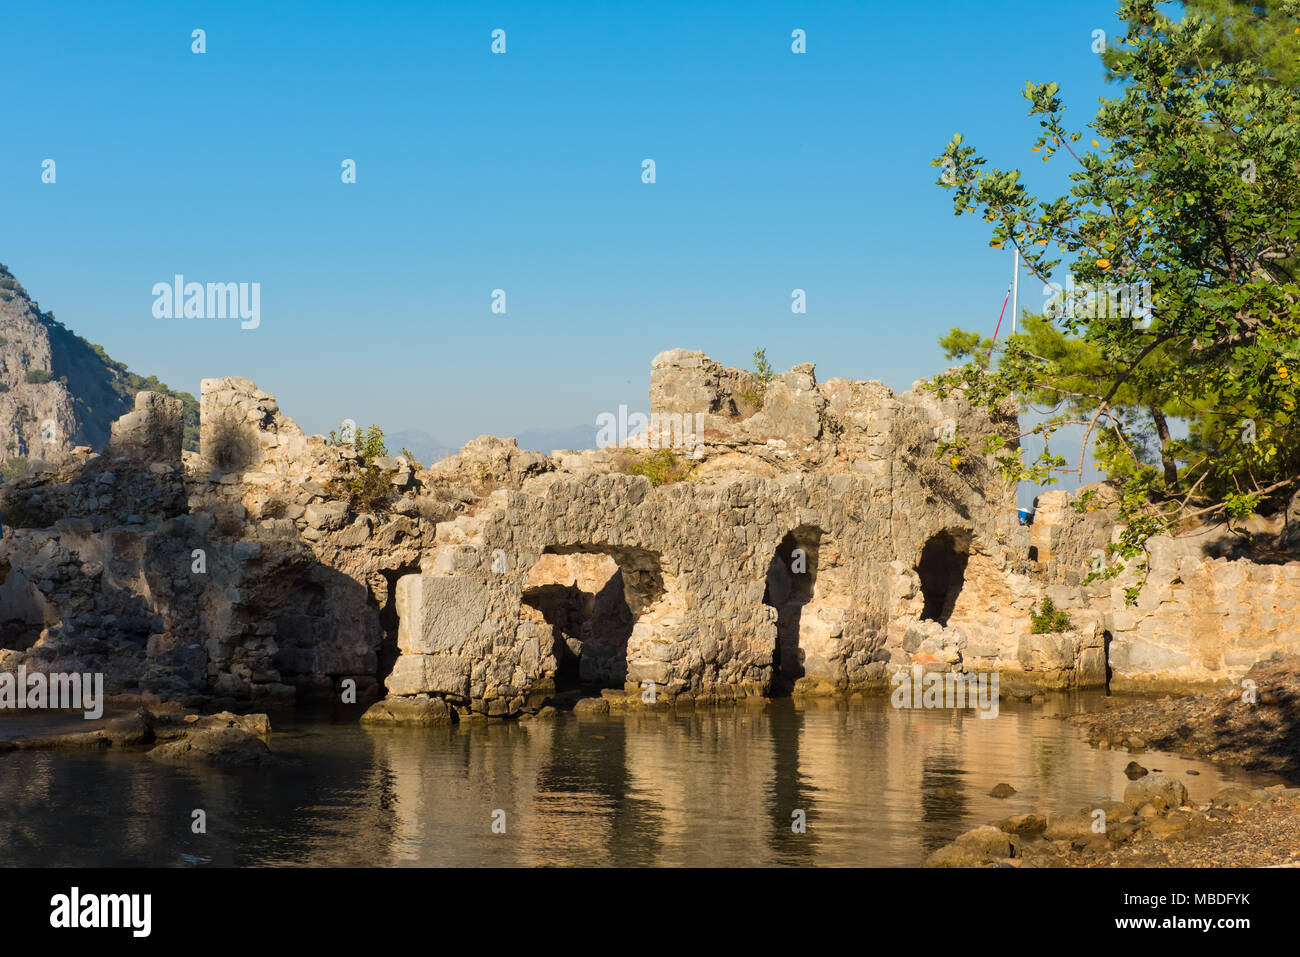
(876, 786)
(722, 787)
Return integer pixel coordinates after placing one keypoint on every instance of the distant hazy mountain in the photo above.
(548, 440)
(422, 445)
(428, 449)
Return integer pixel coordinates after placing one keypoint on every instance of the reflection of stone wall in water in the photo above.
(818, 545)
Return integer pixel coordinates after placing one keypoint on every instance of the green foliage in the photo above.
(366, 487)
(13, 468)
(1259, 31)
(370, 445)
(959, 344)
(662, 467)
(1191, 185)
(764, 372)
(36, 376)
(1048, 618)
(952, 451)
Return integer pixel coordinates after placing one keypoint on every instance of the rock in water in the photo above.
(216, 746)
(420, 712)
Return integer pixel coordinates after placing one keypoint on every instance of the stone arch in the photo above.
(942, 570)
(592, 597)
(790, 586)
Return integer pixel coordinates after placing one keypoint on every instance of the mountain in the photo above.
(423, 446)
(548, 440)
(57, 390)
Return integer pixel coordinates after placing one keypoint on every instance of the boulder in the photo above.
(983, 845)
(1159, 790)
(224, 746)
(421, 711)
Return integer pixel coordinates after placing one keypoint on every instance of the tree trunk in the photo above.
(1162, 430)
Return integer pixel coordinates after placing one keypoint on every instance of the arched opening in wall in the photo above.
(1106, 639)
(388, 652)
(942, 570)
(591, 597)
(791, 584)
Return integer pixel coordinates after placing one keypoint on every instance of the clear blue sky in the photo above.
(522, 172)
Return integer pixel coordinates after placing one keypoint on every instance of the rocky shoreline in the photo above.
(1253, 727)
(1153, 826)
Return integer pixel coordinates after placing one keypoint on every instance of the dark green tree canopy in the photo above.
(1182, 233)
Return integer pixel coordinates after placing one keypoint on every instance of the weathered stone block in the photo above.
(432, 674)
(438, 614)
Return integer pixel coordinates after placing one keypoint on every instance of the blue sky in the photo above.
(522, 172)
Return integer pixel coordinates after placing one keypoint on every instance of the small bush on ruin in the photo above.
(661, 468)
(366, 487)
(1048, 618)
(764, 373)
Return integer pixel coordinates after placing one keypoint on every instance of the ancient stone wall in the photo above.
(721, 606)
(812, 537)
(1202, 614)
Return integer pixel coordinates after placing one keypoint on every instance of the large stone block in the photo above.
(438, 614)
(1047, 652)
(429, 674)
(682, 380)
(1137, 658)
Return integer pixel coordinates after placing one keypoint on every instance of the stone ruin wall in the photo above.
(1203, 615)
(232, 574)
(491, 569)
(845, 471)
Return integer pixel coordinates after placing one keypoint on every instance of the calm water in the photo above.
(878, 787)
